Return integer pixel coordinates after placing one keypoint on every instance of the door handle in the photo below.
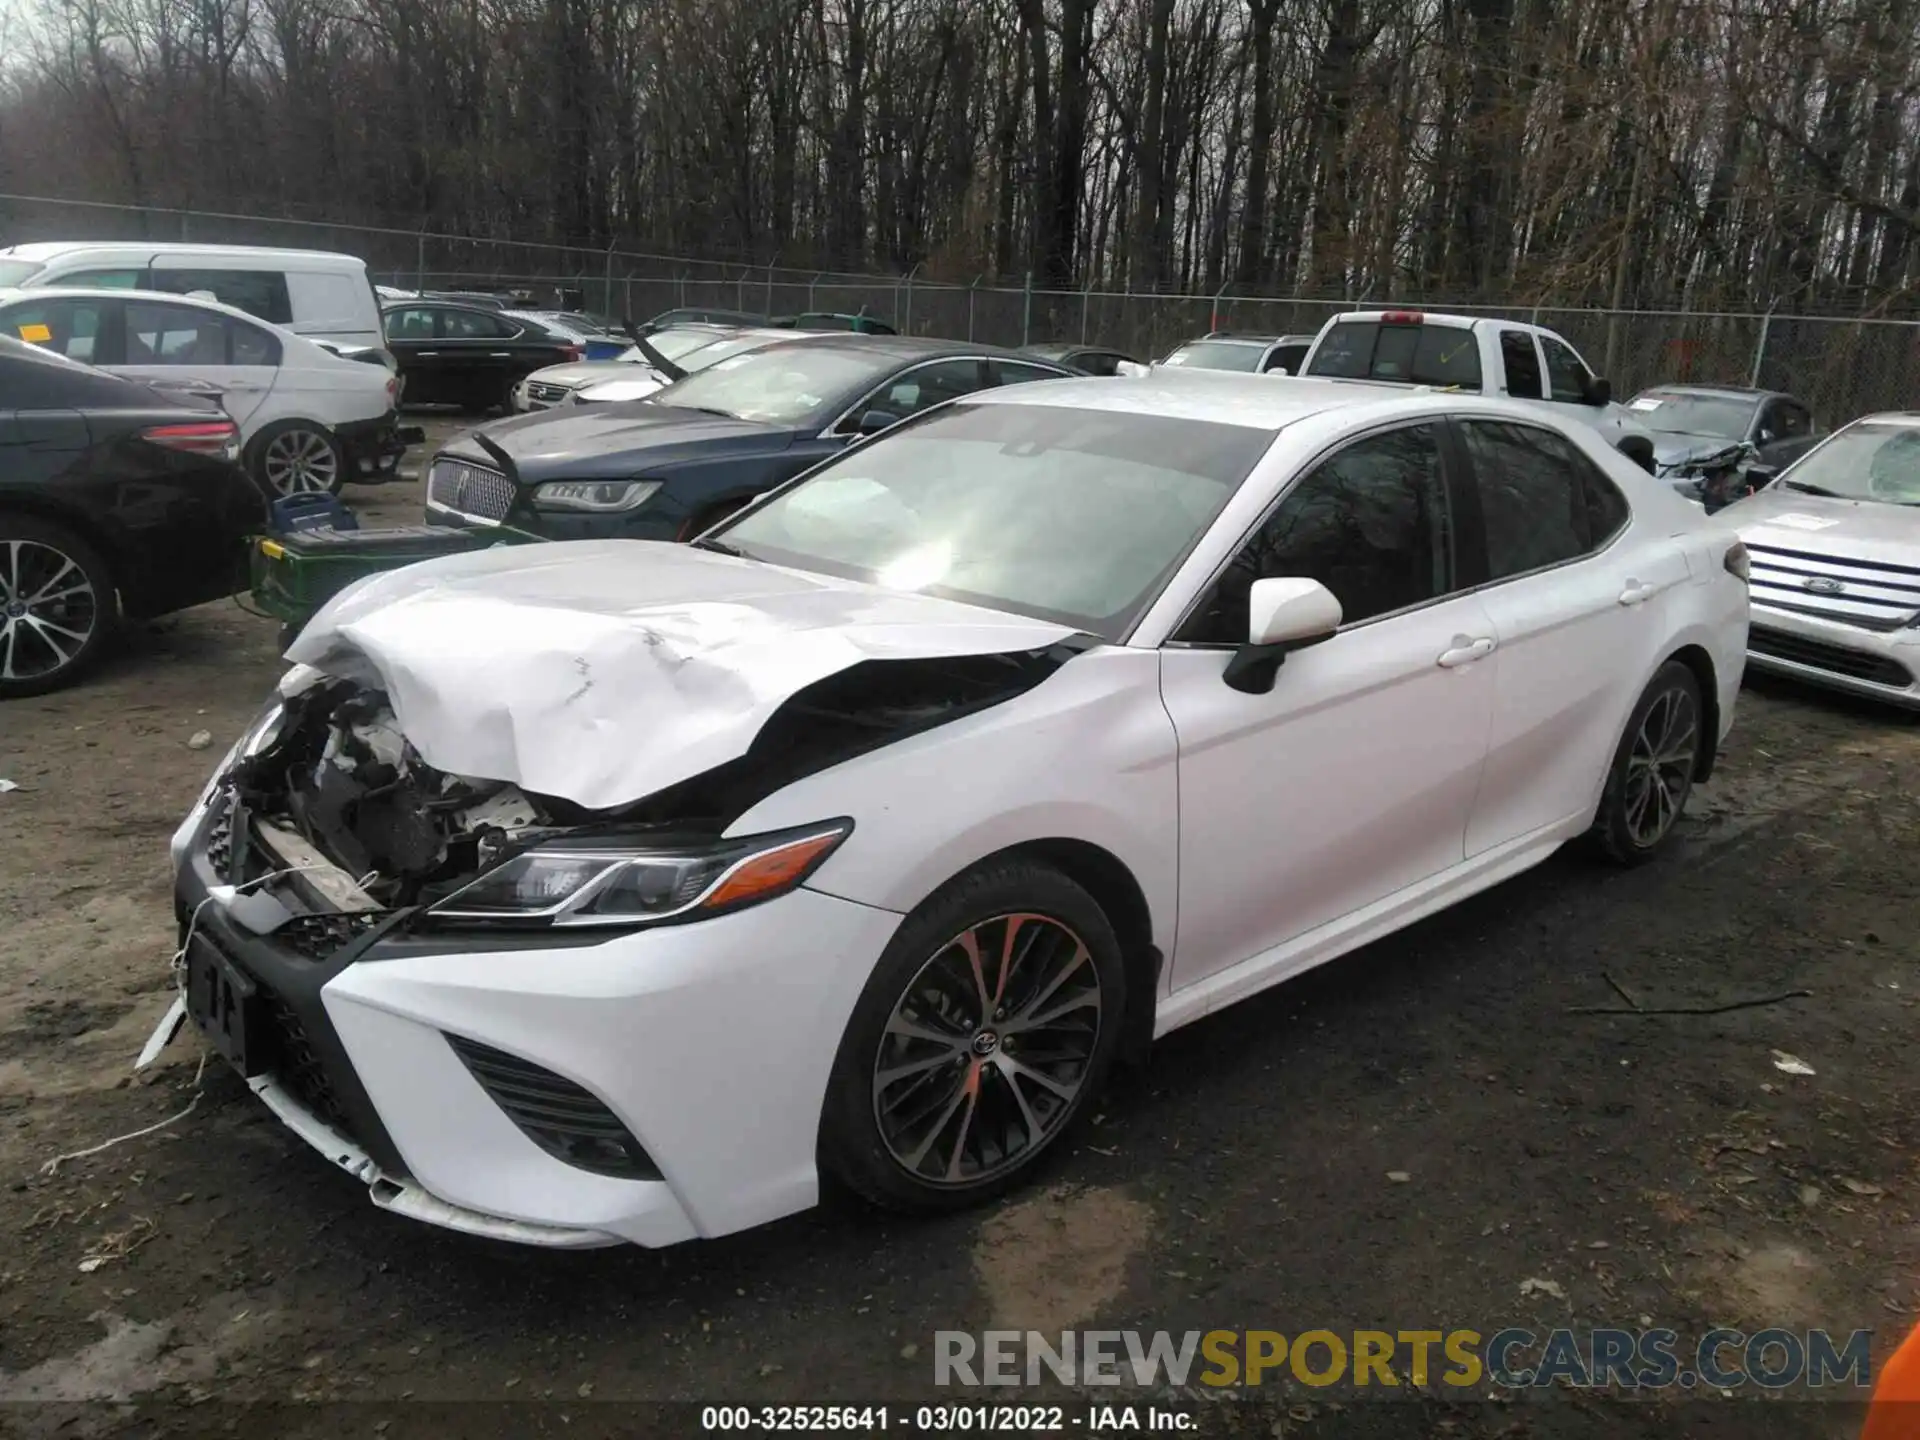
(1636, 593)
(1465, 651)
(426, 354)
(500, 355)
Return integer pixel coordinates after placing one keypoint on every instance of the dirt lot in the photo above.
(1650, 1168)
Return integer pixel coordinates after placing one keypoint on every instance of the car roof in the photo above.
(1261, 402)
(54, 249)
(106, 292)
(903, 347)
(1905, 419)
(1716, 392)
(1224, 337)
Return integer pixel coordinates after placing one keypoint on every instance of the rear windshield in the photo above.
(1217, 355)
(18, 272)
(1410, 354)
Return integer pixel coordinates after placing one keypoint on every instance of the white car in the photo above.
(632, 376)
(1835, 541)
(311, 419)
(609, 890)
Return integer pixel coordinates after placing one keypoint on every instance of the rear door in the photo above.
(167, 344)
(480, 354)
(1576, 595)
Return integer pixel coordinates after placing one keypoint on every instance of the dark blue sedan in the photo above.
(674, 464)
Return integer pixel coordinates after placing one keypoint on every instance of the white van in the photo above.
(320, 294)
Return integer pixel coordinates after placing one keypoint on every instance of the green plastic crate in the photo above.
(294, 575)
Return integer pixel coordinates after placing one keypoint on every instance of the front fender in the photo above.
(1088, 755)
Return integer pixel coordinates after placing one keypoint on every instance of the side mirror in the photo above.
(1599, 390)
(874, 421)
(1283, 615)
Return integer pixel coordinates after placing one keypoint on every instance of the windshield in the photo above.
(18, 272)
(1863, 462)
(1416, 354)
(1074, 516)
(1217, 355)
(1716, 415)
(786, 385)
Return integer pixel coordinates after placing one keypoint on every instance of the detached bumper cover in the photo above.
(711, 1042)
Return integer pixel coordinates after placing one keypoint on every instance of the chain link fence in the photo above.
(1841, 367)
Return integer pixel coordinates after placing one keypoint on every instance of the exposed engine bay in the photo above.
(342, 775)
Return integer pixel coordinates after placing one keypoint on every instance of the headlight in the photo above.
(580, 885)
(598, 496)
(262, 733)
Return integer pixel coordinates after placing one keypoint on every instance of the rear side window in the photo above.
(475, 325)
(68, 327)
(1286, 359)
(1522, 364)
(1542, 502)
(184, 335)
(1421, 354)
(258, 292)
(122, 279)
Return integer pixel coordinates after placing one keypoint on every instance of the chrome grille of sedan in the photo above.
(541, 393)
(1865, 593)
(472, 490)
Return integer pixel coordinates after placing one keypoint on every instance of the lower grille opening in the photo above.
(563, 1119)
(318, 937)
(297, 1065)
(1822, 655)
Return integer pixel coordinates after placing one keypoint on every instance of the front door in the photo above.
(1354, 777)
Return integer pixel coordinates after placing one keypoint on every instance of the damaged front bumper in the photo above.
(383, 1048)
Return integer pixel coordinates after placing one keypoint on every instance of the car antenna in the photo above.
(654, 358)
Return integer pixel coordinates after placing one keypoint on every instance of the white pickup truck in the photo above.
(1481, 356)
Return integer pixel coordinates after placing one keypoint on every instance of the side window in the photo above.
(1012, 372)
(475, 325)
(923, 387)
(1567, 374)
(1792, 422)
(1096, 362)
(1285, 359)
(71, 327)
(258, 292)
(251, 345)
(1541, 501)
(1522, 364)
(129, 278)
(411, 324)
(1370, 523)
(174, 335)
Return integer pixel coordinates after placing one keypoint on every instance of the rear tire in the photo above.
(954, 1079)
(1653, 769)
(58, 607)
(297, 457)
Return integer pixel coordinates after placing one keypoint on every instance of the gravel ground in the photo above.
(1654, 1166)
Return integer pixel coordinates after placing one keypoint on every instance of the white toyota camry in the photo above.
(618, 890)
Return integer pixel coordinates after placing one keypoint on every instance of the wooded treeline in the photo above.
(1705, 153)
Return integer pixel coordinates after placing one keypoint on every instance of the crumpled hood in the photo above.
(603, 671)
(1671, 448)
(1786, 519)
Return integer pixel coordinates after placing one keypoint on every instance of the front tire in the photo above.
(984, 1032)
(1653, 769)
(57, 606)
(297, 457)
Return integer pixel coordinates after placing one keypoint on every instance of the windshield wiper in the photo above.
(719, 547)
(1807, 489)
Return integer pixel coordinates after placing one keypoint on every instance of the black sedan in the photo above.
(107, 488)
(1089, 359)
(1709, 439)
(670, 466)
(467, 355)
